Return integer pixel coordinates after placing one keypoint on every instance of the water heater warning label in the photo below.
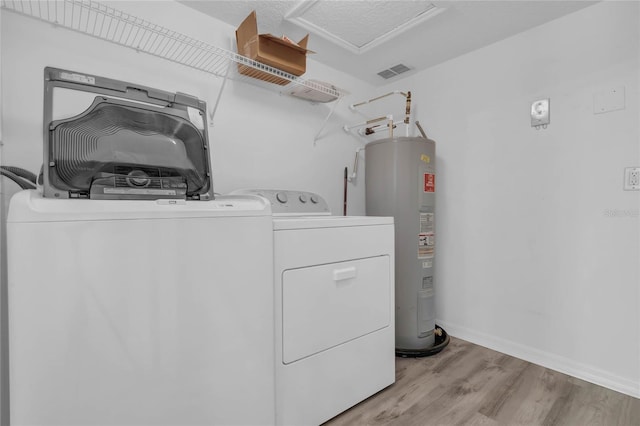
(429, 182)
(426, 236)
(426, 245)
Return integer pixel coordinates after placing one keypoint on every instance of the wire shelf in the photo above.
(106, 23)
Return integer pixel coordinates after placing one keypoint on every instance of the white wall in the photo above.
(259, 138)
(537, 243)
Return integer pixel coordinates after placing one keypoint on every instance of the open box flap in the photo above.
(302, 44)
(249, 28)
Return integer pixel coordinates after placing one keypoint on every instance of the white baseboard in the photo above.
(548, 360)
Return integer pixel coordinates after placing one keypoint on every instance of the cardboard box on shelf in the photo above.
(270, 50)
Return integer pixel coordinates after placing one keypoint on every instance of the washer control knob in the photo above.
(282, 197)
(314, 199)
(302, 198)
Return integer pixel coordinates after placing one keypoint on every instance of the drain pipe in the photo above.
(346, 178)
(424, 135)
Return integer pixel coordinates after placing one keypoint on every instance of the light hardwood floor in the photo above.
(467, 384)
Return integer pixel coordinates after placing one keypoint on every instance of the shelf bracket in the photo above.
(215, 106)
(325, 121)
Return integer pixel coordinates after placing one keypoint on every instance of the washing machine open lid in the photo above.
(128, 142)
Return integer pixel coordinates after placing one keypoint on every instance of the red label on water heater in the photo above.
(429, 182)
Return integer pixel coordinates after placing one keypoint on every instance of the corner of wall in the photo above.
(4, 349)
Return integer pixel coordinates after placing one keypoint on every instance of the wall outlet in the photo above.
(540, 113)
(632, 179)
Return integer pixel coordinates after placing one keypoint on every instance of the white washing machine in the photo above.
(132, 312)
(334, 299)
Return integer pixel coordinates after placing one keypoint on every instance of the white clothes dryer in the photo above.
(334, 299)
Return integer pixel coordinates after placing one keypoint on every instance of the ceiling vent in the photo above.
(393, 71)
(359, 26)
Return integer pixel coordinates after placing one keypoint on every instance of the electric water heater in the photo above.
(400, 178)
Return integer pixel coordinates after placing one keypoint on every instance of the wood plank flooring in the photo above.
(467, 384)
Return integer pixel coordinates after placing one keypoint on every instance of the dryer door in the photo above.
(327, 305)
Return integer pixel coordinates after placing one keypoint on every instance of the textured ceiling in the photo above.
(461, 27)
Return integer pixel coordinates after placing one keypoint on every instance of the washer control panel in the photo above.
(286, 202)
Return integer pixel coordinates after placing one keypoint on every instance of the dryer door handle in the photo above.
(345, 273)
